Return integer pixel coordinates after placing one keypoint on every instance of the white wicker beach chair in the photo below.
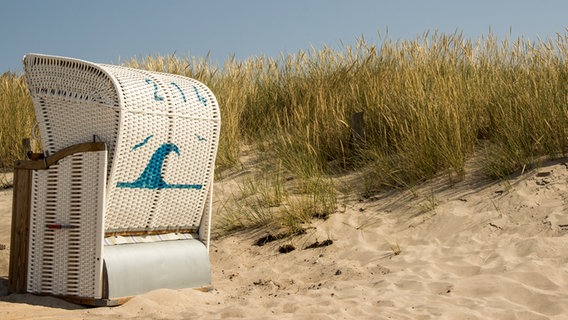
(122, 203)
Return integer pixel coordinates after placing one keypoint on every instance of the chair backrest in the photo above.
(161, 130)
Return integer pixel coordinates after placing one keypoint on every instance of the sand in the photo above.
(476, 249)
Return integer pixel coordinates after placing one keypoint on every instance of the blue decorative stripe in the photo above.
(202, 99)
(156, 96)
(181, 91)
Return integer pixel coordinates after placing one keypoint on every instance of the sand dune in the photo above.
(474, 250)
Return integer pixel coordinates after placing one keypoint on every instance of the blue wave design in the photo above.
(142, 143)
(151, 178)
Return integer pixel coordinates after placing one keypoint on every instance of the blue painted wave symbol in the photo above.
(152, 178)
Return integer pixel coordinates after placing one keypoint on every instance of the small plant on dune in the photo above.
(394, 247)
(429, 204)
(4, 183)
(244, 214)
(316, 199)
(322, 194)
(264, 202)
(296, 215)
(257, 203)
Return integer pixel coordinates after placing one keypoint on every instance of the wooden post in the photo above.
(19, 240)
(27, 145)
(358, 139)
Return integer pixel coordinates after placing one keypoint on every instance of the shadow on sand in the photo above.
(35, 300)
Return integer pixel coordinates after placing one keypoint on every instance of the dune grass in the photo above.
(16, 121)
(429, 104)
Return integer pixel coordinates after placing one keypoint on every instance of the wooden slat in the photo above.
(19, 240)
(358, 139)
(148, 232)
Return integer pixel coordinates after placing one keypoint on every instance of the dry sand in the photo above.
(474, 250)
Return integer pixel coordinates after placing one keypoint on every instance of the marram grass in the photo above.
(429, 105)
(16, 120)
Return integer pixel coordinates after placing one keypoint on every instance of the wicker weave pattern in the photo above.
(74, 100)
(65, 252)
(161, 112)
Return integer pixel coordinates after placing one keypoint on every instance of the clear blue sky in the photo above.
(109, 31)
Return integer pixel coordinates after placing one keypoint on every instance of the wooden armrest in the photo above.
(45, 163)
